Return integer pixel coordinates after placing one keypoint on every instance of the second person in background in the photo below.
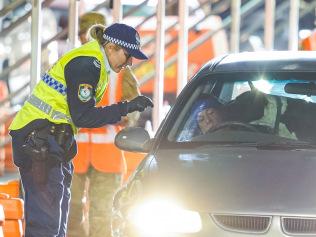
(99, 164)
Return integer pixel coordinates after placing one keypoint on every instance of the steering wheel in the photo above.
(235, 124)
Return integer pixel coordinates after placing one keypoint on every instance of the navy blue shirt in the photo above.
(82, 75)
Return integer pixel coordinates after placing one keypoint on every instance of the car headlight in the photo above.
(162, 216)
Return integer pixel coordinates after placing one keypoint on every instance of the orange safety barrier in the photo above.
(1, 220)
(14, 214)
(9, 166)
(3, 111)
(11, 187)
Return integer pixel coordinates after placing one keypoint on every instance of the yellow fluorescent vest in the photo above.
(55, 99)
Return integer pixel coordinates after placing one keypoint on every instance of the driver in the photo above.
(209, 117)
(262, 111)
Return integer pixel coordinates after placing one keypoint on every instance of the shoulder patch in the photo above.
(96, 63)
(85, 92)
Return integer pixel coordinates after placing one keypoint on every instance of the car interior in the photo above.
(275, 107)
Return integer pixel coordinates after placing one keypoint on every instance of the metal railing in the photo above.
(10, 7)
(245, 10)
(174, 39)
(22, 19)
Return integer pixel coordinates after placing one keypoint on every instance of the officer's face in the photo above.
(118, 58)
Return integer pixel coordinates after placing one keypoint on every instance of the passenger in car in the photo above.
(299, 118)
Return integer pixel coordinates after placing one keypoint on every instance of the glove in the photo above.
(140, 103)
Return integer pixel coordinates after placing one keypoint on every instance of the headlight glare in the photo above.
(162, 216)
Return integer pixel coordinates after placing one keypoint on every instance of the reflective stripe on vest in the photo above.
(107, 137)
(47, 109)
(82, 137)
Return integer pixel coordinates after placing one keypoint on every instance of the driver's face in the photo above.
(208, 119)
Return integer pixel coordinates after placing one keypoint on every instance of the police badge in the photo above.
(85, 92)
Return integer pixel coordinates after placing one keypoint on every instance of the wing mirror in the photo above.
(135, 139)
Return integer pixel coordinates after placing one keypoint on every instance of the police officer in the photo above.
(63, 101)
(96, 176)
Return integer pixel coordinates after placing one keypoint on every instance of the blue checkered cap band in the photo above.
(121, 42)
(125, 36)
(56, 85)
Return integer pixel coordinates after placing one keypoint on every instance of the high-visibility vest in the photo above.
(96, 146)
(48, 99)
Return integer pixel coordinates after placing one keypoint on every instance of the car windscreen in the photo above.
(248, 108)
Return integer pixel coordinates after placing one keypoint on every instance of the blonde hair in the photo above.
(90, 18)
(96, 32)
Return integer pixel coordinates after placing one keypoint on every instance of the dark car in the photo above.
(235, 156)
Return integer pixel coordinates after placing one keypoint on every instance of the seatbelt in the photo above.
(47, 109)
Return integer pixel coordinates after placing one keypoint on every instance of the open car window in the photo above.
(247, 107)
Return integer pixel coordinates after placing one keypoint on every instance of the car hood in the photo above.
(229, 179)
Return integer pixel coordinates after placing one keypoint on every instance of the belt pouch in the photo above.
(36, 147)
(39, 167)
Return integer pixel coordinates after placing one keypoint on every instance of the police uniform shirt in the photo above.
(85, 71)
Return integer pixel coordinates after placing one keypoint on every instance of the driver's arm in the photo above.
(248, 106)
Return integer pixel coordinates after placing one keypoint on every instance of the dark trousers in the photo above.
(47, 204)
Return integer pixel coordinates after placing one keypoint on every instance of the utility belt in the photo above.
(62, 134)
(48, 146)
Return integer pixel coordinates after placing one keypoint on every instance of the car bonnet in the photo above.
(229, 179)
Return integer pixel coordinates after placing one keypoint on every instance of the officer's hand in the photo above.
(140, 103)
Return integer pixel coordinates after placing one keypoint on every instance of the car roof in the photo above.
(263, 62)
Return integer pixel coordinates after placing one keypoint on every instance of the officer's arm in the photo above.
(82, 75)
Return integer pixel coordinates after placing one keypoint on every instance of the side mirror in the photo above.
(135, 139)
